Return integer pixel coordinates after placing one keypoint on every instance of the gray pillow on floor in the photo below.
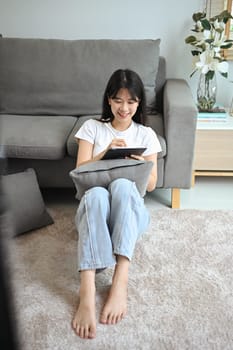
(103, 172)
(24, 201)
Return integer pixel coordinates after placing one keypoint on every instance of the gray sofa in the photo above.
(49, 87)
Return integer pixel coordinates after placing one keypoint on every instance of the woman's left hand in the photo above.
(137, 157)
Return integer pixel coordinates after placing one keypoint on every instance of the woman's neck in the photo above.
(120, 126)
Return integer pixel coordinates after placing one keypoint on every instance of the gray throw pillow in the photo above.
(24, 201)
(103, 172)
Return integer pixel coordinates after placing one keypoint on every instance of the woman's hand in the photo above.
(117, 143)
(137, 157)
(85, 151)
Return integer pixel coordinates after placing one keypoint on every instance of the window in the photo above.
(214, 7)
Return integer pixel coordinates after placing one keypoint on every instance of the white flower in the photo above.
(219, 40)
(222, 67)
(208, 62)
(199, 26)
(206, 34)
(219, 25)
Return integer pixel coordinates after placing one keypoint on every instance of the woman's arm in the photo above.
(153, 175)
(85, 150)
(85, 153)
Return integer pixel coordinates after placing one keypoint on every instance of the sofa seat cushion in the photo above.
(35, 137)
(154, 121)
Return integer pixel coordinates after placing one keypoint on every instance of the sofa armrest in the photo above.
(180, 114)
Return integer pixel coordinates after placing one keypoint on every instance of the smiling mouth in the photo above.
(123, 115)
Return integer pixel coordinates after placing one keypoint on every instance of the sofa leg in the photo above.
(175, 198)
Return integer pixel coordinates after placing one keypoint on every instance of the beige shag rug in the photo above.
(180, 289)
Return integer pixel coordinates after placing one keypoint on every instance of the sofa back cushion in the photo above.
(68, 77)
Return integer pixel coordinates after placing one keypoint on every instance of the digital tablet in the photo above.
(122, 152)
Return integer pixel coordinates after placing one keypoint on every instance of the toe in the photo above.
(92, 333)
(74, 324)
(103, 319)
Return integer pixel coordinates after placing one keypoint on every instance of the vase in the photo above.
(206, 93)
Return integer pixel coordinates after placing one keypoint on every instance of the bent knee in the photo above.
(97, 192)
(120, 184)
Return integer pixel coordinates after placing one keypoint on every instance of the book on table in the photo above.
(212, 116)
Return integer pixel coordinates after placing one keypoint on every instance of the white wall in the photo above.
(170, 20)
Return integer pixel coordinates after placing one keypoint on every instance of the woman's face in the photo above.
(123, 107)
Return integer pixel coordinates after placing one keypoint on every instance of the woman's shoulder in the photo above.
(144, 129)
(88, 126)
(93, 123)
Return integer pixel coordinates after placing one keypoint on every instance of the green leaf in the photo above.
(206, 24)
(225, 75)
(195, 52)
(209, 41)
(193, 73)
(224, 16)
(198, 16)
(190, 39)
(202, 46)
(219, 30)
(210, 74)
(226, 46)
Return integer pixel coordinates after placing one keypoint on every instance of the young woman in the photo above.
(109, 221)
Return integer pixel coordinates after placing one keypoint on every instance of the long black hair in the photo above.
(130, 80)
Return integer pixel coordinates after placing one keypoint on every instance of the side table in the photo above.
(213, 154)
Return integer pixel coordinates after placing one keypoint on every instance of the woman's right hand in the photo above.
(86, 149)
(116, 143)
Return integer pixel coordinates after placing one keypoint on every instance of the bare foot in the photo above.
(116, 306)
(84, 321)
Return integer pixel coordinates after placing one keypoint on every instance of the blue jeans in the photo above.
(109, 222)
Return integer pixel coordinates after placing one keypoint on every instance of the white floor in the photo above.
(208, 193)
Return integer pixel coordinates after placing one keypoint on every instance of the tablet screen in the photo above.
(122, 152)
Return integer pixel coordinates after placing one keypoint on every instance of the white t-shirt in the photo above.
(100, 134)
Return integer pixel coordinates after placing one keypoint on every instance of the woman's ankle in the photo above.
(121, 271)
(87, 282)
